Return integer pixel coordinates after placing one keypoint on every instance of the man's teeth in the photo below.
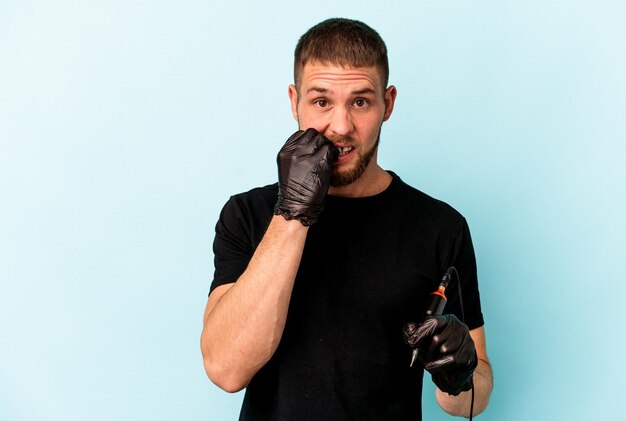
(345, 150)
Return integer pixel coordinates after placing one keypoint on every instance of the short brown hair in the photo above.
(345, 42)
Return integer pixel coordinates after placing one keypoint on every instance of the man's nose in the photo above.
(340, 122)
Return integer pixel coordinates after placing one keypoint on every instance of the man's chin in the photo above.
(339, 182)
(345, 178)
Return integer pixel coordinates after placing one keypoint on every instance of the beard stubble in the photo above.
(344, 178)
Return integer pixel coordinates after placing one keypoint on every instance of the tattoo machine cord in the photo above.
(435, 308)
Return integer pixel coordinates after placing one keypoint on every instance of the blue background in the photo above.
(125, 126)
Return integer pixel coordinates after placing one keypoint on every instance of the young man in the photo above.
(319, 277)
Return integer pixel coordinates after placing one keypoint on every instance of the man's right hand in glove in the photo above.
(244, 320)
(304, 171)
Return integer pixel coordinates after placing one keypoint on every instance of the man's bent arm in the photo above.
(483, 383)
(244, 321)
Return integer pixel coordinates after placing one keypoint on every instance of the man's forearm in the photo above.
(243, 327)
(460, 405)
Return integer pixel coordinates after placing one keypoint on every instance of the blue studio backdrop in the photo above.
(126, 125)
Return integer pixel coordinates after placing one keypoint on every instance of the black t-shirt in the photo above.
(368, 267)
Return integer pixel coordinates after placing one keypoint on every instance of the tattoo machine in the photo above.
(437, 303)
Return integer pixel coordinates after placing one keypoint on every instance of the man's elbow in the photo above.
(227, 380)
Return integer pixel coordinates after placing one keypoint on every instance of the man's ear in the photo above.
(293, 97)
(390, 99)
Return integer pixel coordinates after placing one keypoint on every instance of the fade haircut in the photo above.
(344, 42)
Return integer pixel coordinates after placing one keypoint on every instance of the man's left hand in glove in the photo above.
(446, 350)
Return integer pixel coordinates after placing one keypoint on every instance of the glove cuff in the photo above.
(454, 390)
(468, 384)
(305, 219)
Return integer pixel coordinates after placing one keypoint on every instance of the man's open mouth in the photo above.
(344, 150)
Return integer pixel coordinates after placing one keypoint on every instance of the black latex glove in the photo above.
(446, 350)
(304, 169)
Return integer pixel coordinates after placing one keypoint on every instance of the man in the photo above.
(319, 278)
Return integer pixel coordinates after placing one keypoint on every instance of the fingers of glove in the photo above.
(291, 144)
(420, 335)
(309, 137)
(333, 153)
(293, 139)
(323, 152)
(304, 143)
(295, 160)
(464, 358)
(409, 333)
(307, 154)
(304, 172)
(448, 340)
(452, 376)
(438, 337)
(441, 363)
(324, 157)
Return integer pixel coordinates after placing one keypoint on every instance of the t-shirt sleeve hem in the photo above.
(219, 282)
(475, 322)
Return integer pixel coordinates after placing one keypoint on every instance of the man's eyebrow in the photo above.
(364, 91)
(317, 89)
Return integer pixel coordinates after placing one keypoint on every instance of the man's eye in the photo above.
(360, 102)
(321, 103)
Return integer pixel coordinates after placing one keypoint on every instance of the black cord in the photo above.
(458, 282)
(472, 404)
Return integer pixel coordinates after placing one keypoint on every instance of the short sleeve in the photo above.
(462, 257)
(232, 245)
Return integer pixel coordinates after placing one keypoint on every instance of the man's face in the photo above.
(348, 106)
